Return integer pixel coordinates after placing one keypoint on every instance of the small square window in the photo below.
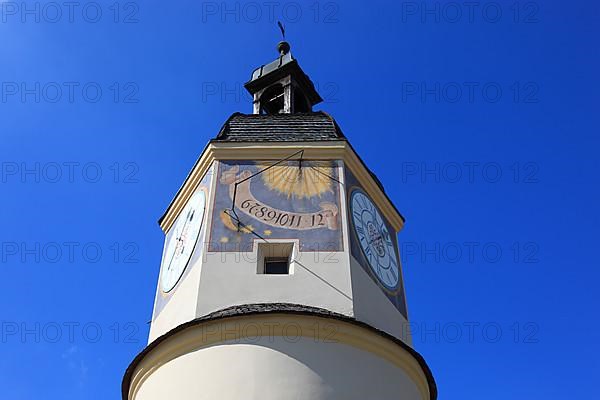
(277, 265)
(275, 258)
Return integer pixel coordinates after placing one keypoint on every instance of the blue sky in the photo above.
(482, 123)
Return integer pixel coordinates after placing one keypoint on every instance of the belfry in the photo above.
(280, 276)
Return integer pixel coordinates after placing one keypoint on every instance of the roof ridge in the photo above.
(334, 122)
(225, 128)
(302, 127)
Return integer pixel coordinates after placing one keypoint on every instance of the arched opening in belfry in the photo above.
(272, 100)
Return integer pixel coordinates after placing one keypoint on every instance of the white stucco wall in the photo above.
(179, 305)
(372, 306)
(330, 280)
(319, 279)
(275, 368)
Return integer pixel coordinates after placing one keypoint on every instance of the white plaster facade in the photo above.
(277, 356)
(329, 280)
(218, 360)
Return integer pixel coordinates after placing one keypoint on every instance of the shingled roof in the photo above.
(299, 127)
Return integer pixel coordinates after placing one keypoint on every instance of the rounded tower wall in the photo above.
(275, 355)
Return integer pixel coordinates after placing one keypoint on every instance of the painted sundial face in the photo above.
(183, 241)
(375, 240)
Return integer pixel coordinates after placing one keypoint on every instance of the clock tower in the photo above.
(280, 276)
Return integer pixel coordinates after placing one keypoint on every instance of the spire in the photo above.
(283, 47)
(282, 87)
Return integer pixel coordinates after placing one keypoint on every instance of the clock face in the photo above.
(186, 230)
(375, 240)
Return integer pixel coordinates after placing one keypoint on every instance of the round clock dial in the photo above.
(186, 230)
(375, 240)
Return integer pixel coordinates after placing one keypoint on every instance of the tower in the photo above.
(281, 275)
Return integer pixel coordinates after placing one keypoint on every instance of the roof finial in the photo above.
(283, 47)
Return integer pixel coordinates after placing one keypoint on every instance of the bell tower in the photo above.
(281, 274)
(281, 87)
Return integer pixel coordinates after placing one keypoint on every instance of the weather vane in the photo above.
(283, 47)
(282, 29)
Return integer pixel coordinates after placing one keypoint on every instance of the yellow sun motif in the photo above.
(224, 239)
(267, 232)
(291, 180)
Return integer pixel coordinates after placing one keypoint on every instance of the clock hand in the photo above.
(178, 236)
(174, 252)
(188, 218)
(170, 261)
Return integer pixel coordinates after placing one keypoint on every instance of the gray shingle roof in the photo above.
(300, 127)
